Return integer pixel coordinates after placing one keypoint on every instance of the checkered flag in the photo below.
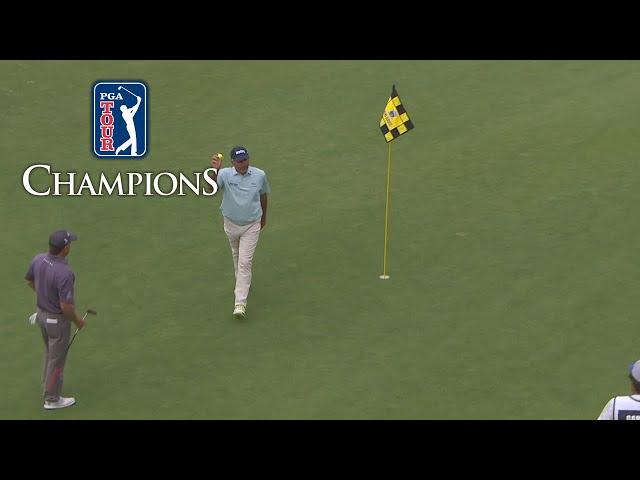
(395, 120)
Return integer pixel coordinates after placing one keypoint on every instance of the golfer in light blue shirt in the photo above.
(244, 210)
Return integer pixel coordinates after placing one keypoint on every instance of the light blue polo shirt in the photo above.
(241, 195)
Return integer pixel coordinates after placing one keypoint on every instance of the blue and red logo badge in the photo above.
(120, 119)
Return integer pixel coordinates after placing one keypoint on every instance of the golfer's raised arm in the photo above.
(134, 109)
(216, 162)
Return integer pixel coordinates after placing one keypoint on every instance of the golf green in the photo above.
(512, 241)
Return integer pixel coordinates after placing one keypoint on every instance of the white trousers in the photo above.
(243, 240)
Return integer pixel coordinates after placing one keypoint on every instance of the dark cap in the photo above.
(239, 153)
(61, 238)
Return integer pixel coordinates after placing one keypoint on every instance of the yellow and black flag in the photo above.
(395, 120)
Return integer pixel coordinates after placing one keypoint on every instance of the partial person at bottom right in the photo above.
(625, 407)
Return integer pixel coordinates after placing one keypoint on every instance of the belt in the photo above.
(51, 314)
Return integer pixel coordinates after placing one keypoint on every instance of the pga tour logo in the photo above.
(120, 119)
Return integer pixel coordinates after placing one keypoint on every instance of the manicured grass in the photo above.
(512, 247)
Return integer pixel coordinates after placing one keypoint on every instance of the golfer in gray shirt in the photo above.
(52, 279)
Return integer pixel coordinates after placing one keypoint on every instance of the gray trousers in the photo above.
(56, 332)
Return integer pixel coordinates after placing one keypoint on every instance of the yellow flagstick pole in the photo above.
(384, 275)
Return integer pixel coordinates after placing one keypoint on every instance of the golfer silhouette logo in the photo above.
(120, 119)
(127, 116)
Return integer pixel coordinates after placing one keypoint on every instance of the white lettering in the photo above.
(133, 185)
(147, 192)
(110, 96)
(110, 188)
(86, 183)
(194, 188)
(210, 181)
(64, 183)
(27, 184)
(57, 182)
(156, 184)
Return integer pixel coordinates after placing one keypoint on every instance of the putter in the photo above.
(89, 311)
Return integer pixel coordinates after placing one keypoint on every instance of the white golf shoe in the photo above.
(62, 402)
(239, 311)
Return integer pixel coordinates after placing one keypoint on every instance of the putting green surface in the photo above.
(513, 242)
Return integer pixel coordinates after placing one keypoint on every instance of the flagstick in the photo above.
(384, 275)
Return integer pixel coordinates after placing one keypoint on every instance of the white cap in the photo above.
(634, 371)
